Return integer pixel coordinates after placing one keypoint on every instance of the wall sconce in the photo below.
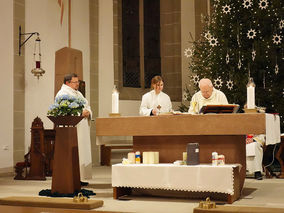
(37, 71)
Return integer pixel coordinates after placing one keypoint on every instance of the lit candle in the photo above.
(115, 100)
(250, 97)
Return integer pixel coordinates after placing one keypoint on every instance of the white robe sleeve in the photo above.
(223, 99)
(144, 110)
(86, 106)
(169, 104)
(193, 105)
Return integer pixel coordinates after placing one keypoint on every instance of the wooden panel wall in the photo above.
(67, 60)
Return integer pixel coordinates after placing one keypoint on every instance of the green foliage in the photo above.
(225, 52)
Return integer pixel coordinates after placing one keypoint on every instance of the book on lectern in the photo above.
(226, 108)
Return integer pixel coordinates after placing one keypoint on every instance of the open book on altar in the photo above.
(173, 113)
(226, 108)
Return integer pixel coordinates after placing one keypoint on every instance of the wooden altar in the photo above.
(169, 135)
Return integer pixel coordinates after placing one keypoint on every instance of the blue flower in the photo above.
(66, 105)
(53, 106)
(73, 105)
(81, 102)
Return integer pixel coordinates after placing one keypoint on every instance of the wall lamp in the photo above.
(37, 71)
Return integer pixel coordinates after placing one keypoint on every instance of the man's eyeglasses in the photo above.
(74, 82)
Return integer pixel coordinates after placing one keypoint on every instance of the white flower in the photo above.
(213, 41)
(188, 52)
(218, 82)
(226, 9)
(230, 84)
(247, 4)
(277, 39)
(263, 4)
(251, 34)
(281, 24)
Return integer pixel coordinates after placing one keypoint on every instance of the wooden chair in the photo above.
(38, 161)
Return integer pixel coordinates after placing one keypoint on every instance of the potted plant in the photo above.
(66, 110)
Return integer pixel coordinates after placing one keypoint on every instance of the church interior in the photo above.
(115, 48)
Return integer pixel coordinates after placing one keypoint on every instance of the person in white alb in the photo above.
(254, 154)
(70, 87)
(155, 101)
(207, 95)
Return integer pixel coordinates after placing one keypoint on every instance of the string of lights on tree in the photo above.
(241, 39)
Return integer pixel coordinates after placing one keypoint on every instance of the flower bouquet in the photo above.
(66, 105)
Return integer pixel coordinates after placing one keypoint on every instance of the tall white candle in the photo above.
(115, 102)
(250, 97)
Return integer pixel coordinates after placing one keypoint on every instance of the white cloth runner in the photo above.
(272, 129)
(199, 178)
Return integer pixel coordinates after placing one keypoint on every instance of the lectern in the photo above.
(66, 172)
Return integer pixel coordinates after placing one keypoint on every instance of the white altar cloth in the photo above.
(273, 133)
(199, 178)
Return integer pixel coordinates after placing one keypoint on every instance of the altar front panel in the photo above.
(170, 148)
(209, 124)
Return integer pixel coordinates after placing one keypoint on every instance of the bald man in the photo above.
(207, 95)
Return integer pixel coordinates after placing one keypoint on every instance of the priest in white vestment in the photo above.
(155, 101)
(207, 95)
(70, 87)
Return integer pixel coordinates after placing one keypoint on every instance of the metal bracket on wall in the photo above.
(23, 34)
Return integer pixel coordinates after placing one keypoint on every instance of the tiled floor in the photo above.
(266, 193)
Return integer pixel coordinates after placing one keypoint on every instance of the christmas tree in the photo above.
(241, 39)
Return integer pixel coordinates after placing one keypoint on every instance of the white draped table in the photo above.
(199, 178)
(272, 130)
